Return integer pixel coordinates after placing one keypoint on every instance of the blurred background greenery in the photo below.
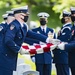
(53, 7)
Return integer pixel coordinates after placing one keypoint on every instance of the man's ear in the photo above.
(46, 21)
(66, 19)
(21, 16)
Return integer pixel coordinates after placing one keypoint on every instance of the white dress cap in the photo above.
(9, 12)
(23, 9)
(20, 8)
(43, 15)
(66, 12)
(5, 15)
(72, 8)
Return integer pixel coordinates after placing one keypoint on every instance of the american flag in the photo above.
(37, 49)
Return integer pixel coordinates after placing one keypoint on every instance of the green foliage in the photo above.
(53, 7)
(63, 5)
(2, 11)
(53, 20)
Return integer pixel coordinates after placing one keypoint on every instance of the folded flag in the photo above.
(37, 49)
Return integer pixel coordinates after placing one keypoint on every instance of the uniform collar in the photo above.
(22, 25)
(43, 27)
(66, 24)
(25, 24)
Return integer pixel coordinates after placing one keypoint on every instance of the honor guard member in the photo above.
(2, 29)
(61, 57)
(43, 62)
(70, 47)
(4, 18)
(3, 26)
(14, 37)
(10, 17)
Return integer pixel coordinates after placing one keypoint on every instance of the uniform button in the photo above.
(15, 45)
(20, 32)
(5, 54)
(19, 37)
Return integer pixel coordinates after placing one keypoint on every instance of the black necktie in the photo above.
(43, 31)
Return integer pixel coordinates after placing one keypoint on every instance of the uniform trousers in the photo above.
(62, 69)
(44, 69)
(73, 70)
(4, 71)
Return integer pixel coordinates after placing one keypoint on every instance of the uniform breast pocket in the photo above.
(19, 35)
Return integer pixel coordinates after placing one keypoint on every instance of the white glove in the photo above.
(55, 41)
(48, 40)
(53, 47)
(33, 59)
(23, 51)
(61, 46)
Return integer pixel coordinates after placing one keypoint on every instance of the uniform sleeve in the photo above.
(69, 47)
(9, 38)
(66, 33)
(36, 36)
(54, 34)
(31, 41)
